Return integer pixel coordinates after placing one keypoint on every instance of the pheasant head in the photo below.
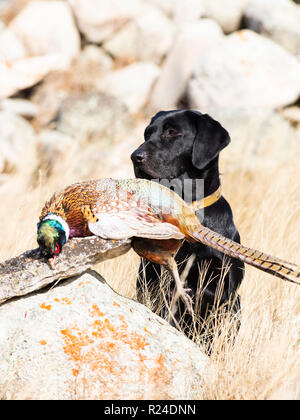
(52, 234)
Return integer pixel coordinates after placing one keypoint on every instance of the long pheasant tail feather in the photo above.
(272, 265)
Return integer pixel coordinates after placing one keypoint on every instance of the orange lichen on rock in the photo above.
(122, 318)
(66, 300)
(145, 329)
(101, 349)
(44, 306)
(158, 373)
(96, 311)
(75, 341)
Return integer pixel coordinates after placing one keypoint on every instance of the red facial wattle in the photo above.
(57, 249)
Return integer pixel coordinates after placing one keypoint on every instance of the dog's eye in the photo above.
(170, 132)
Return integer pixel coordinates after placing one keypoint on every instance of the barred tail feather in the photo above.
(272, 265)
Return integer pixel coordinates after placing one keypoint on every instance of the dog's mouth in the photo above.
(151, 175)
(144, 173)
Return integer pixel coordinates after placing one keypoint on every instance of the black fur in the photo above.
(185, 145)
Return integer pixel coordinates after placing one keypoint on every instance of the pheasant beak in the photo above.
(52, 262)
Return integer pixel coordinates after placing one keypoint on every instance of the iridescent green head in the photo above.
(52, 234)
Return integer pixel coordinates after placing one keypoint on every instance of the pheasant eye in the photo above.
(57, 249)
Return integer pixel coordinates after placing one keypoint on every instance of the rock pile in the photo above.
(138, 57)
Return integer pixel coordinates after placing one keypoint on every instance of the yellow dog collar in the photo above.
(207, 201)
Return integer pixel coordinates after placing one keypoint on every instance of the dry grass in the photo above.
(263, 361)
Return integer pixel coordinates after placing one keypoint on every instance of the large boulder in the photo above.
(41, 38)
(86, 71)
(258, 139)
(190, 44)
(246, 71)
(185, 11)
(91, 64)
(227, 13)
(147, 37)
(99, 19)
(17, 141)
(52, 149)
(181, 11)
(132, 84)
(278, 20)
(93, 117)
(24, 73)
(81, 340)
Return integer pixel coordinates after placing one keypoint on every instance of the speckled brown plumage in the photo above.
(68, 204)
(100, 196)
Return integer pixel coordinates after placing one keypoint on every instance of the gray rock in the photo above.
(181, 11)
(131, 84)
(93, 61)
(258, 139)
(53, 148)
(259, 75)
(188, 47)
(86, 71)
(145, 38)
(19, 106)
(17, 141)
(81, 340)
(41, 38)
(30, 271)
(93, 117)
(227, 13)
(278, 20)
(27, 72)
(99, 19)
(46, 28)
(185, 11)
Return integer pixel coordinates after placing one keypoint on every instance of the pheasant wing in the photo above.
(126, 224)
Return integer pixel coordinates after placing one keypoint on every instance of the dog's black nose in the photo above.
(138, 156)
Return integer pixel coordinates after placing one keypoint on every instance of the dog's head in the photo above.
(176, 142)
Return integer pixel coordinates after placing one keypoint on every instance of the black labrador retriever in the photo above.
(183, 147)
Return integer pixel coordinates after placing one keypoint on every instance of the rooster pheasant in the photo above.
(155, 217)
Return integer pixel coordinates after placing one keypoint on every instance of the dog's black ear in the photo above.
(210, 139)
